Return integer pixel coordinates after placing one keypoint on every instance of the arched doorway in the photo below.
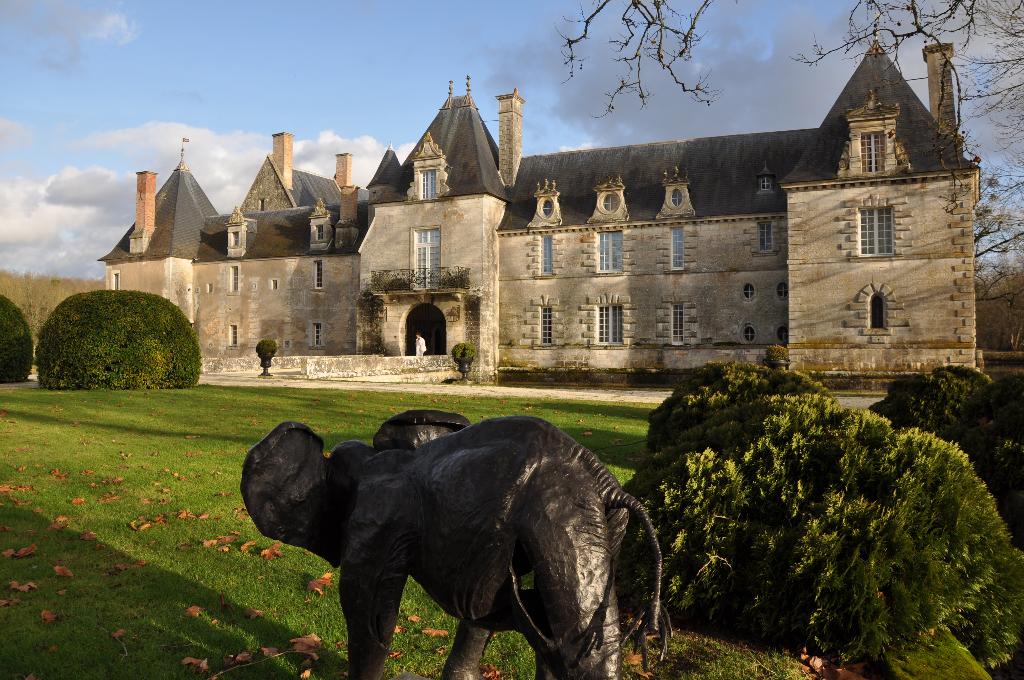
(428, 321)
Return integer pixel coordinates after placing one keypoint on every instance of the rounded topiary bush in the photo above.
(266, 348)
(464, 350)
(715, 386)
(15, 343)
(931, 401)
(117, 339)
(796, 520)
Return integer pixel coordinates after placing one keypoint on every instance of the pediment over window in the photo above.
(677, 195)
(611, 202)
(549, 212)
(873, 148)
(238, 230)
(430, 171)
(320, 232)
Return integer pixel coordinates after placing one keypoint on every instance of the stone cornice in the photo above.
(644, 224)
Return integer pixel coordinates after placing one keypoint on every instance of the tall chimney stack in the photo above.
(941, 100)
(145, 210)
(282, 157)
(510, 135)
(343, 170)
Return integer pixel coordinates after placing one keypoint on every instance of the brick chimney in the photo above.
(510, 135)
(343, 170)
(941, 100)
(145, 210)
(282, 156)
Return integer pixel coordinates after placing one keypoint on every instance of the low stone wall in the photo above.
(425, 369)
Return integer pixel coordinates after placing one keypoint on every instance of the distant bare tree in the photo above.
(38, 294)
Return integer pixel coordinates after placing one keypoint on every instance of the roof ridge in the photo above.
(666, 141)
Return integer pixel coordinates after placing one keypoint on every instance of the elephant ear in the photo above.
(286, 489)
(411, 429)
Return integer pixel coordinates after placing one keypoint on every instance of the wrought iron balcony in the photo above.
(440, 278)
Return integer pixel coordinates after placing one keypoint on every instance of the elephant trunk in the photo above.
(653, 620)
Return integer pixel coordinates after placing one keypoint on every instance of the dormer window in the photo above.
(319, 222)
(611, 204)
(319, 232)
(430, 171)
(676, 198)
(429, 184)
(765, 183)
(548, 213)
(677, 195)
(238, 229)
(872, 152)
(236, 239)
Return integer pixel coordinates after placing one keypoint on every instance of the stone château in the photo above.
(851, 242)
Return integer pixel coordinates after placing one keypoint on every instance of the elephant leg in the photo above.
(566, 538)
(544, 671)
(370, 603)
(468, 649)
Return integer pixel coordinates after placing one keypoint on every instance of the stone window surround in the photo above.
(413, 245)
(531, 334)
(535, 254)
(663, 314)
(743, 330)
(547, 192)
(753, 292)
(590, 319)
(879, 212)
(318, 275)
(428, 155)
(115, 279)
(316, 327)
(849, 218)
(860, 317)
(613, 186)
(234, 286)
(621, 249)
(233, 336)
(672, 183)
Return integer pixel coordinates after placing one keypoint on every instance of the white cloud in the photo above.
(114, 27)
(13, 135)
(58, 28)
(63, 222)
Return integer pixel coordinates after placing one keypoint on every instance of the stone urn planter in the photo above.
(777, 356)
(463, 355)
(265, 350)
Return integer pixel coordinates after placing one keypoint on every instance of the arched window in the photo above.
(877, 311)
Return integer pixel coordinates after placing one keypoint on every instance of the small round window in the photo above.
(677, 198)
(782, 334)
(748, 333)
(782, 290)
(547, 207)
(748, 290)
(610, 202)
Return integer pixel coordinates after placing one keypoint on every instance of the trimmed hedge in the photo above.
(715, 386)
(931, 401)
(15, 343)
(799, 521)
(117, 339)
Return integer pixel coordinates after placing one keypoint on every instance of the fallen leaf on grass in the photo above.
(61, 570)
(21, 552)
(47, 616)
(87, 536)
(77, 501)
(59, 522)
(318, 585)
(198, 665)
(23, 587)
(490, 672)
(587, 433)
(241, 657)
(246, 546)
(414, 618)
(434, 632)
(394, 655)
(118, 634)
(305, 674)
(271, 553)
(268, 651)
(9, 603)
(307, 644)
(399, 629)
(194, 610)
(109, 497)
(253, 613)
(57, 474)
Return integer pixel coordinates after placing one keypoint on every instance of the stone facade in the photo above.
(850, 242)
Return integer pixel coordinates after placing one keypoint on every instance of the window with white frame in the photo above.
(209, 288)
(609, 251)
(429, 184)
(677, 248)
(547, 260)
(115, 282)
(876, 231)
(678, 318)
(318, 273)
(318, 334)
(765, 237)
(546, 325)
(319, 232)
(765, 183)
(233, 335)
(609, 326)
(235, 276)
(872, 152)
(428, 257)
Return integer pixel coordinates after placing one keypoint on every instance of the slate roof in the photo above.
(469, 150)
(279, 233)
(389, 172)
(307, 188)
(181, 210)
(915, 126)
(722, 172)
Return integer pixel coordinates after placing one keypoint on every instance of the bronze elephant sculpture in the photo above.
(468, 512)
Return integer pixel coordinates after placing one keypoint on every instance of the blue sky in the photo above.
(96, 90)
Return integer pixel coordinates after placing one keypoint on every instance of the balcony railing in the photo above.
(441, 278)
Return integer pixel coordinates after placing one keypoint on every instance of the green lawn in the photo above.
(135, 495)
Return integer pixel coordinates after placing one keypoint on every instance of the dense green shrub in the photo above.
(931, 401)
(266, 348)
(15, 343)
(797, 520)
(715, 386)
(117, 339)
(933, 657)
(464, 350)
